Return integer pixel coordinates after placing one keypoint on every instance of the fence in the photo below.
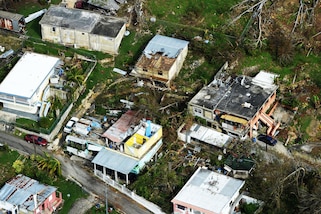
(142, 201)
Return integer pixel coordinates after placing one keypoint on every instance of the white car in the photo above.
(70, 124)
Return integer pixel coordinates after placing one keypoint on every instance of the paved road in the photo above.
(81, 174)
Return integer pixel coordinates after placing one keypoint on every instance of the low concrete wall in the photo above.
(142, 201)
(50, 137)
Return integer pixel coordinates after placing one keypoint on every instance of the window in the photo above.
(160, 73)
(53, 29)
(145, 70)
(180, 207)
(198, 112)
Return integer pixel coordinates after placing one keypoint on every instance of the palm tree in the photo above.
(50, 164)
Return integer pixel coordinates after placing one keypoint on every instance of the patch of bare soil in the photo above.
(313, 129)
(10, 42)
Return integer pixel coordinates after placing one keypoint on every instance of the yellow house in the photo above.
(141, 142)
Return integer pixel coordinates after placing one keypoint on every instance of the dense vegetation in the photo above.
(251, 36)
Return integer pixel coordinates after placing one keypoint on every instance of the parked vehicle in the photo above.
(267, 139)
(71, 123)
(30, 138)
(81, 147)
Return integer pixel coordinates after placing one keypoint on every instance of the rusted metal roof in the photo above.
(11, 16)
(122, 128)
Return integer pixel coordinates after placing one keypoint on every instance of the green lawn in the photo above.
(70, 193)
(197, 12)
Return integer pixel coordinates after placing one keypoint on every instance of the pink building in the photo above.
(208, 192)
(25, 195)
(238, 104)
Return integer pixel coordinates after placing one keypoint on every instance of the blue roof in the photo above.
(169, 46)
(20, 191)
(115, 161)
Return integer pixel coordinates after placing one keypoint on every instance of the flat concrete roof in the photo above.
(206, 187)
(239, 95)
(27, 75)
(82, 20)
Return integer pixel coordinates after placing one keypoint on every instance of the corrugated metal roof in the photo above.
(20, 191)
(170, 47)
(209, 135)
(120, 130)
(206, 187)
(115, 161)
(12, 16)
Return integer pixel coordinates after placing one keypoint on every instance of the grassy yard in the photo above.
(197, 13)
(70, 193)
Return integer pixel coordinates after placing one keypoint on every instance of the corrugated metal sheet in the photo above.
(12, 16)
(115, 161)
(170, 47)
(19, 191)
(120, 130)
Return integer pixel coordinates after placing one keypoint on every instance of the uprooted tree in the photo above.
(261, 17)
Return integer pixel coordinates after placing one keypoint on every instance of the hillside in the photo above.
(277, 36)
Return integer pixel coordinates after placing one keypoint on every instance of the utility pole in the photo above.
(106, 200)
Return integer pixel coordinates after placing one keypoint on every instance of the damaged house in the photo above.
(25, 195)
(131, 142)
(82, 29)
(162, 59)
(237, 104)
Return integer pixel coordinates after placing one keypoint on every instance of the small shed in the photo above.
(239, 167)
(12, 21)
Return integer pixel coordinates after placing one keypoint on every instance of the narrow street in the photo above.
(84, 177)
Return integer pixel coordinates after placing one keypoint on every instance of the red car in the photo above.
(30, 138)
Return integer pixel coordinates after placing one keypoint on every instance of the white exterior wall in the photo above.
(118, 39)
(67, 36)
(84, 40)
(175, 69)
(31, 105)
(47, 34)
(227, 208)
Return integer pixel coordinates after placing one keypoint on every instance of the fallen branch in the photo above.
(317, 34)
(260, 4)
(299, 17)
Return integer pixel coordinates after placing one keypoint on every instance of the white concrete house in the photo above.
(26, 87)
(82, 29)
(208, 192)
